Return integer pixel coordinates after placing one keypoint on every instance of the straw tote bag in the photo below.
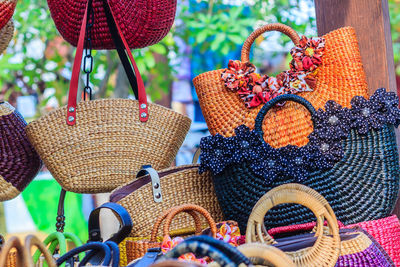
(6, 34)
(7, 8)
(95, 146)
(340, 76)
(351, 160)
(143, 23)
(19, 162)
(156, 192)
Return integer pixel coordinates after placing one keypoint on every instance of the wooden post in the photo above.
(370, 18)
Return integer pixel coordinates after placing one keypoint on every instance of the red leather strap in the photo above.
(73, 88)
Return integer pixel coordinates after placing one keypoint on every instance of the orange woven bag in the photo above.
(340, 77)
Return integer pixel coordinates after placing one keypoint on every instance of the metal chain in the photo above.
(88, 59)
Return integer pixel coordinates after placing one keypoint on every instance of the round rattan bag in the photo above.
(7, 8)
(143, 23)
(6, 34)
(19, 162)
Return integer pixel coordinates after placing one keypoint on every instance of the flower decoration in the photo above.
(255, 89)
(227, 231)
(331, 127)
(169, 244)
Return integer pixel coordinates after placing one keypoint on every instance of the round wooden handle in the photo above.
(31, 241)
(186, 208)
(13, 242)
(290, 193)
(272, 255)
(267, 28)
(160, 219)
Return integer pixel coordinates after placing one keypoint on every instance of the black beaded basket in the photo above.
(351, 159)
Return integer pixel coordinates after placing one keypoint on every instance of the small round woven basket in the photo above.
(143, 23)
(6, 34)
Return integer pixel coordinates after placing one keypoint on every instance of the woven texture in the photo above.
(19, 162)
(108, 143)
(7, 8)
(143, 22)
(6, 34)
(386, 231)
(340, 77)
(179, 185)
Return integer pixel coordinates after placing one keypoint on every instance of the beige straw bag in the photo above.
(270, 256)
(175, 186)
(95, 146)
(6, 34)
(326, 249)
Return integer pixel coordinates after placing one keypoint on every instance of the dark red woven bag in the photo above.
(7, 8)
(19, 162)
(143, 22)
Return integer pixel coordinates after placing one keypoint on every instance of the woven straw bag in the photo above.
(143, 23)
(176, 186)
(340, 77)
(6, 34)
(351, 160)
(19, 162)
(7, 8)
(325, 249)
(137, 249)
(270, 256)
(95, 146)
(22, 255)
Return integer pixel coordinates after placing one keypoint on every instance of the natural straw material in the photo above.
(139, 248)
(7, 8)
(326, 248)
(19, 162)
(108, 143)
(340, 77)
(179, 185)
(142, 22)
(6, 34)
(270, 255)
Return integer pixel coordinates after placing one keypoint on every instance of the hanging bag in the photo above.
(19, 162)
(143, 23)
(155, 192)
(351, 160)
(338, 76)
(111, 138)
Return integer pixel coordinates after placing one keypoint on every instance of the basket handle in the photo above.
(53, 239)
(290, 193)
(274, 256)
(267, 28)
(190, 207)
(74, 84)
(13, 242)
(32, 241)
(281, 98)
(163, 216)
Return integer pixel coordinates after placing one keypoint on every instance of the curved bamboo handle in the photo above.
(177, 263)
(31, 241)
(160, 219)
(187, 208)
(267, 28)
(13, 242)
(272, 255)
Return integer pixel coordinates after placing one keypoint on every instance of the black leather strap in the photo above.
(120, 49)
(60, 212)
(123, 217)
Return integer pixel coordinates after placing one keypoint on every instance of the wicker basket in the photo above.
(325, 251)
(7, 8)
(178, 185)
(19, 162)
(6, 34)
(143, 22)
(95, 146)
(137, 249)
(340, 77)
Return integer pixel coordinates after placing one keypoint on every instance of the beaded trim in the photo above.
(255, 89)
(324, 149)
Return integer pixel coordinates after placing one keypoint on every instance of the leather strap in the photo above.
(96, 258)
(149, 258)
(73, 89)
(123, 217)
(155, 181)
(98, 246)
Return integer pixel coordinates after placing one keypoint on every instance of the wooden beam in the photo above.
(370, 18)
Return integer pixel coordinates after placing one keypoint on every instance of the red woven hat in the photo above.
(7, 8)
(143, 22)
